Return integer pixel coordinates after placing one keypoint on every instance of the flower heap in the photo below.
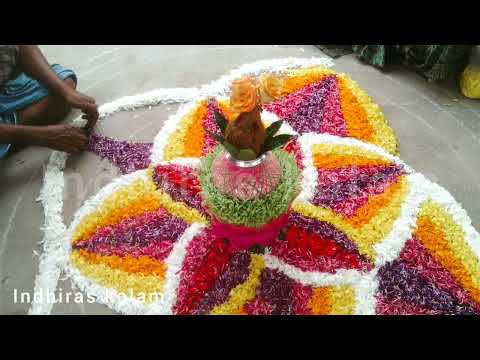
(249, 199)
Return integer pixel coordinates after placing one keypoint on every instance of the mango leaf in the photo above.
(273, 128)
(216, 137)
(221, 121)
(276, 142)
(230, 148)
(246, 155)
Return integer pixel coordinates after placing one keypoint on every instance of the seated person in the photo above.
(35, 97)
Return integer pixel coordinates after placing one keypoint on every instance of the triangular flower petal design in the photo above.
(366, 234)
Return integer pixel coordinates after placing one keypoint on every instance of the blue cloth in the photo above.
(22, 92)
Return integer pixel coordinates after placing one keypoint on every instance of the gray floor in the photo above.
(437, 128)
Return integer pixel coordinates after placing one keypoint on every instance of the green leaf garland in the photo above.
(253, 212)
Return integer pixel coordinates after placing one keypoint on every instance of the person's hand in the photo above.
(85, 103)
(62, 137)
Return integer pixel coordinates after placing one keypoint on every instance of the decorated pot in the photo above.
(246, 180)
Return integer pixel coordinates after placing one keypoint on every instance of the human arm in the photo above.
(34, 64)
(57, 137)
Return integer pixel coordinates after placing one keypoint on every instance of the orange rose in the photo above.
(271, 86)
(244, 95)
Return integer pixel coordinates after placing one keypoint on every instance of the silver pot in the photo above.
(245, 164)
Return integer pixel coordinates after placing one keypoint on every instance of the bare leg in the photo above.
(48, 111)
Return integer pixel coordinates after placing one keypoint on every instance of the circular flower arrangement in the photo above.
(365, 235)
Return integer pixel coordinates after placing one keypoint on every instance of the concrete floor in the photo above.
(437, 128)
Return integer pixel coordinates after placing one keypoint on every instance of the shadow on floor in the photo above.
(335, 51)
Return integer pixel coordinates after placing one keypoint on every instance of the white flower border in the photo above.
(52, 260)
(51, 196)
(57, 238)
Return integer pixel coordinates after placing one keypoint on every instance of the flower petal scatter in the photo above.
(150, 234)
(190, 131)
(127, 156)
(365, 233)
(320, 100)
(311, 252)
(179, 182)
